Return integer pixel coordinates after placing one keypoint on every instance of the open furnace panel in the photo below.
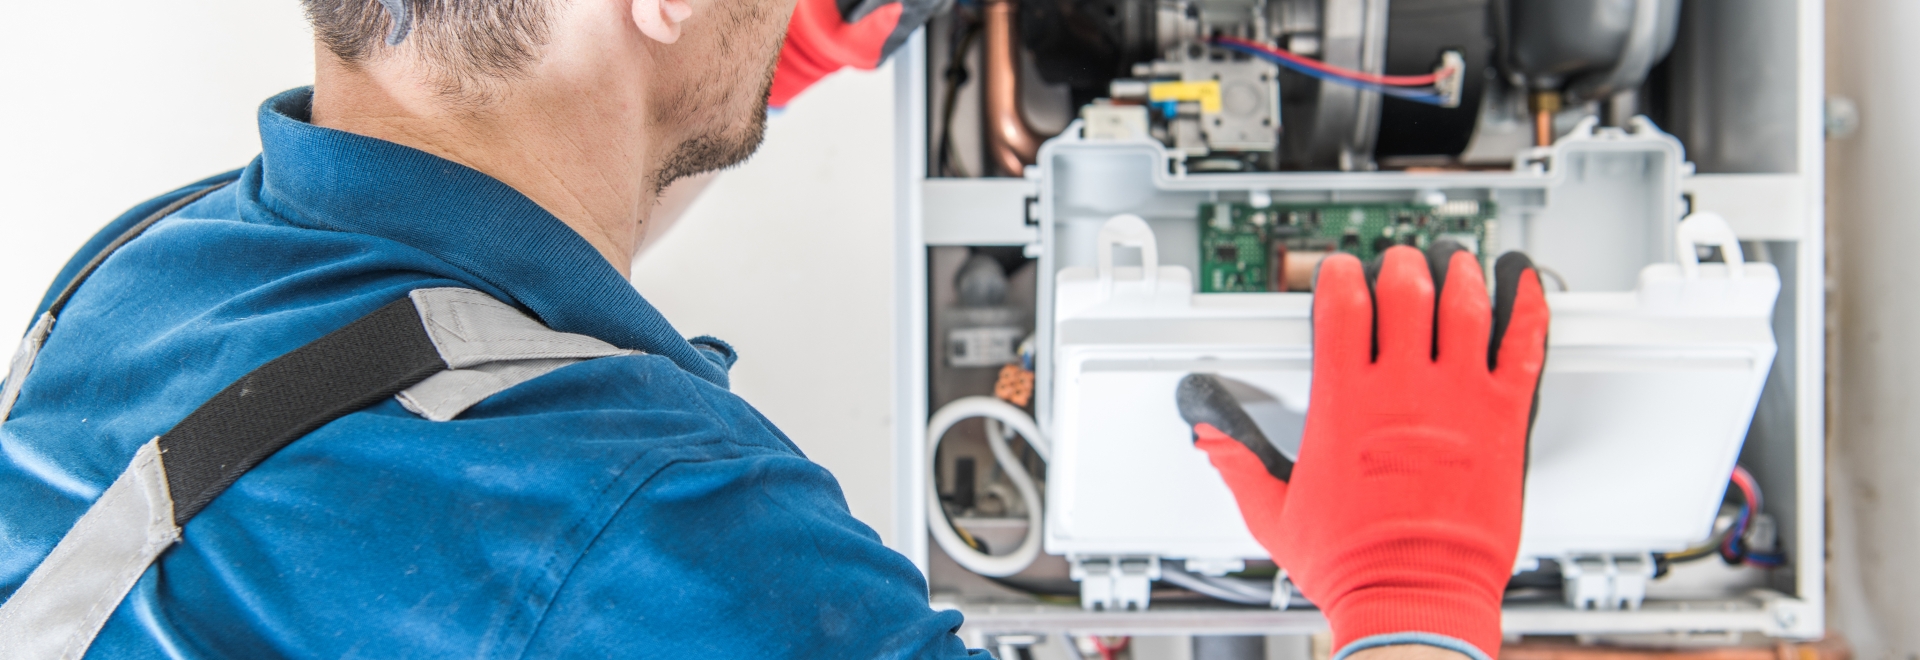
(1245, 141)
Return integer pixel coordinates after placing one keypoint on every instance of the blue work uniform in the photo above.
(619, 507)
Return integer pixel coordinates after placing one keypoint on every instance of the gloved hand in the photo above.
(1401, 519)
(828, 35)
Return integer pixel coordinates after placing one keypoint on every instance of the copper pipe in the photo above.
(1012, 144)
(1545, 104)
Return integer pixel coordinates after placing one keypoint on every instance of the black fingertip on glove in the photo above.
(1507, 275)
(1203, 399)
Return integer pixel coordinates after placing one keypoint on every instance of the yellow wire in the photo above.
(964, 536)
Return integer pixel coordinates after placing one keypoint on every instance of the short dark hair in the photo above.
(467, 42)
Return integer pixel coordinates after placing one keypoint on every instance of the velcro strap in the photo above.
(348, 369)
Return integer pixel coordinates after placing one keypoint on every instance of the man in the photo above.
(626, 505)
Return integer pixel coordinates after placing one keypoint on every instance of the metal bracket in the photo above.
(1792, 617)
(1606, 581)
(1115, 584)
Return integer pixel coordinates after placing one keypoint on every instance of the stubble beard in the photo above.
(726, 145)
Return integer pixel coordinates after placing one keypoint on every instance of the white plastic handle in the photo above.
(1708, 229)
(1128, 230)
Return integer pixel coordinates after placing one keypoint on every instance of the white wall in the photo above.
(789, 257)
(105, 104)
(1875, 369)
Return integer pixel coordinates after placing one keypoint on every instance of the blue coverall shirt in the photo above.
(618, 507)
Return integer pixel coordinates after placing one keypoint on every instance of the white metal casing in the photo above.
(1776, 202)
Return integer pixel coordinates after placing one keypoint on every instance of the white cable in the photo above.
(994, 410)
(1229, 592)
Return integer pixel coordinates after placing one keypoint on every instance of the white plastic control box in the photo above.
(1684, 358)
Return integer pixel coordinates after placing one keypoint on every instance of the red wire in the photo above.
(1744, 479)
(1362, 76)
(1109, 652)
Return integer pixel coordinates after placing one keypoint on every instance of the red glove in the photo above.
(1402, 517)
(825, 36)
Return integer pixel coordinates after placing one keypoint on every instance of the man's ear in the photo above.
(660, 19)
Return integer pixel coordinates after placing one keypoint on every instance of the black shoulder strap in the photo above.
(63, 604)
(378, 356)
(434, 350)
(351, 368)
(348, 369)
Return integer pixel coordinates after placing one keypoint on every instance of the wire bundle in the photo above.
(1003, 421)
(1731, 544)
(1419, 89)
(1733, 548)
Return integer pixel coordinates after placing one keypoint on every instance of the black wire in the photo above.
(1662, 562)
(1034, 589)
(956, 76)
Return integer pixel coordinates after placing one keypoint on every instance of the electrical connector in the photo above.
(1015, 385)
(1449, 79)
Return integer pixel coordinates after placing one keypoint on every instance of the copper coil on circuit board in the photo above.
(1293, 270)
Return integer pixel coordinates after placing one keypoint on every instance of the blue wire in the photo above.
(1735, 540)
(1408, 94)
(1732, 547)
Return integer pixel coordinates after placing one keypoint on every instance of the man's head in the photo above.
(692, 75)
(468, 46)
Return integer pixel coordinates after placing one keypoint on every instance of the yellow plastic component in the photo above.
(1207, 92)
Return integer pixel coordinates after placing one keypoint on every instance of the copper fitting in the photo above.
(1012, 144)
(1545, 104)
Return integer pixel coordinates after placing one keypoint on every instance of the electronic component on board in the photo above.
(1246, 248)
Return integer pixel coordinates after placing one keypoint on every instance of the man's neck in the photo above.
(587, 165)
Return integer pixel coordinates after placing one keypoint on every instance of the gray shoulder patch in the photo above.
(66, 600)
(471, 328)
(23, 363)
(490, 346)
(443, 396)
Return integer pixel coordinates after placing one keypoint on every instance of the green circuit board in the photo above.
(1245, 248)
